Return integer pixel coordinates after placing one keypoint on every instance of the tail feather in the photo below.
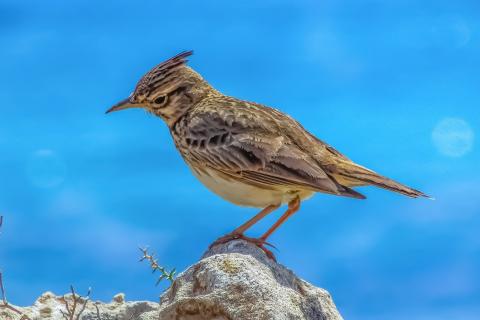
(347, 192)
(359, 175)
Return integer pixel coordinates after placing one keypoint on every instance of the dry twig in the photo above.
(78, 300)
(98, 311)
(4, 303)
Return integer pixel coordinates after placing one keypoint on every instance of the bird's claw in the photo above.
(259, 242)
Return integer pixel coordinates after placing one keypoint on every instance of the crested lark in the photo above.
(245, 152)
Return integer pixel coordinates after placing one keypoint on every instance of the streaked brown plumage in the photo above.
(247, 153)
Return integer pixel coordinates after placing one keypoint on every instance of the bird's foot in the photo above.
(256, 241)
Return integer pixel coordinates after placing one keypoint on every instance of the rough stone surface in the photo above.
(234, 281)
(52, 307)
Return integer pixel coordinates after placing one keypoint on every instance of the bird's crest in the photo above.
(160, 73)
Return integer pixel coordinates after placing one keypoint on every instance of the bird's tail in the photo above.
(356, 175)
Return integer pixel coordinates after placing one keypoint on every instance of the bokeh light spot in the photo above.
(453, 137)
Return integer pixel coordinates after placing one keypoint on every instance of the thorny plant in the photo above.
(78, 302)
(164, 273)
(4, 303)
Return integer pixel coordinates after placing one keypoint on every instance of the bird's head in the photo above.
(168, 90)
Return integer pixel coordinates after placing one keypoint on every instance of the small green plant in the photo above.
(164, 273)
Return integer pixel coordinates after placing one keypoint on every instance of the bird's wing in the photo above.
(246, 146)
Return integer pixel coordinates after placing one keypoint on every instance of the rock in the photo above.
(232, 281)
(52, 307)
(237, 280)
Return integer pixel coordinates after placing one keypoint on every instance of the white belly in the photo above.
(247, 195)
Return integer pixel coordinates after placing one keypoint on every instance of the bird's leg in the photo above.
(259, 216)
(293, 207)
(238, 232)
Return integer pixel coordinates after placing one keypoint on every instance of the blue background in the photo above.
(392, 84)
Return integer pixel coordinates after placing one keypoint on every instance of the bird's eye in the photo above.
(160, 100)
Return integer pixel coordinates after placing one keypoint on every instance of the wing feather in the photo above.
(239, 148)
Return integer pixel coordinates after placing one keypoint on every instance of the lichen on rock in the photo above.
(237, 280)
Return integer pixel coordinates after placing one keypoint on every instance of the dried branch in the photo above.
(78, 300)
(98, 311)
(2, 289)
(164, 273)
(4, 304)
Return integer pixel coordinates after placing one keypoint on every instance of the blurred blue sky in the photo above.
(392, 84)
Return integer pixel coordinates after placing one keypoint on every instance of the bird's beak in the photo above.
(124, 104)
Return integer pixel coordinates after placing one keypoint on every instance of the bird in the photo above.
(249, 154)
